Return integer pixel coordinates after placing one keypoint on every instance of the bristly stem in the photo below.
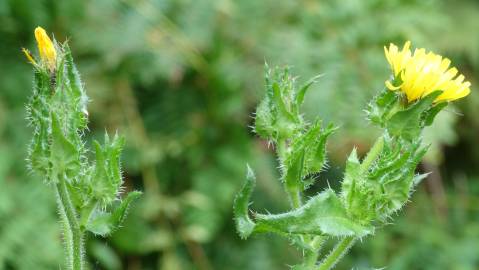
(337, 253)
(72, 233)
(311, 256)
(294, 194)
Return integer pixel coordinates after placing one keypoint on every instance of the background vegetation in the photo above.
(181, 78)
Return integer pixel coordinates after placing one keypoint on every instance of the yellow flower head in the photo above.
(421, 73)
(47, 51)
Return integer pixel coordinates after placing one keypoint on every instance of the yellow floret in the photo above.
(422, 73)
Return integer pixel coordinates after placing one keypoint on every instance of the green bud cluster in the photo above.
(88, 191)
(372, 189)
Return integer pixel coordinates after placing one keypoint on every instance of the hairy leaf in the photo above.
(322, 214)
(104, 223)
(244, 224)
(408, 123)
(64, 156)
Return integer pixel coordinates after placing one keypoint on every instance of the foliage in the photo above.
(371, 190)
(85, 191)
(179, 79)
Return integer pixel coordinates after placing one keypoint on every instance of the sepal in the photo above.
(409, 122)
(391, 111)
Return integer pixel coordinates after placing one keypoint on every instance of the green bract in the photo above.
(372, 189)
(88, 191)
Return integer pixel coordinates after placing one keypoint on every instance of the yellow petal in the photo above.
(46, 48)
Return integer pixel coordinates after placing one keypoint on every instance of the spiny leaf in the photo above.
(307, 155)
(106, 179)
(264, 119)
(104, 223)
(244, 224)
(381, 106)
(302, 91)
(119, 214)
(63, 155)
(322, 214)
(352, 176)
(316, 154)
(432, 113)
(409, 122)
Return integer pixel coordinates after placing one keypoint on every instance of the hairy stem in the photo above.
(295, 197)
(337, 253)
(311, 256)
(294, 193)
(73, 234)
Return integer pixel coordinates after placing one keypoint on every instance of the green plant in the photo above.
(87, 192)
(372, 189)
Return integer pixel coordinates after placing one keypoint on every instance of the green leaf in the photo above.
(419, 177)
(119, 214)
(106, 179)
(302, 91)
(64, 156)
(307, 155)
(100, 224)
(264, 119)
(389, 183)
(409, 122)
(380, 108)
(294, 169)
(352, 178)
(322, 214)
(244, 224)
(432, 113)
(316, 152)
(104, 223)
(39, 151)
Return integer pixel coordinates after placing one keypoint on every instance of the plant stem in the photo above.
(346, 243)
(295, 197)
(73, 234)
(311, 256)
(337, 253)
(294, 193)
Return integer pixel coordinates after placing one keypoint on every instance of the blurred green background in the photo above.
(181, 79)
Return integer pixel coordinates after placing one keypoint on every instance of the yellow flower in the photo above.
(421, 73)
(47, 51)
(397, 59)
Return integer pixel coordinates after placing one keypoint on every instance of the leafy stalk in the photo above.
(371, 190)
(87, 191)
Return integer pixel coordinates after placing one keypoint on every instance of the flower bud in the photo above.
(46, 48)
